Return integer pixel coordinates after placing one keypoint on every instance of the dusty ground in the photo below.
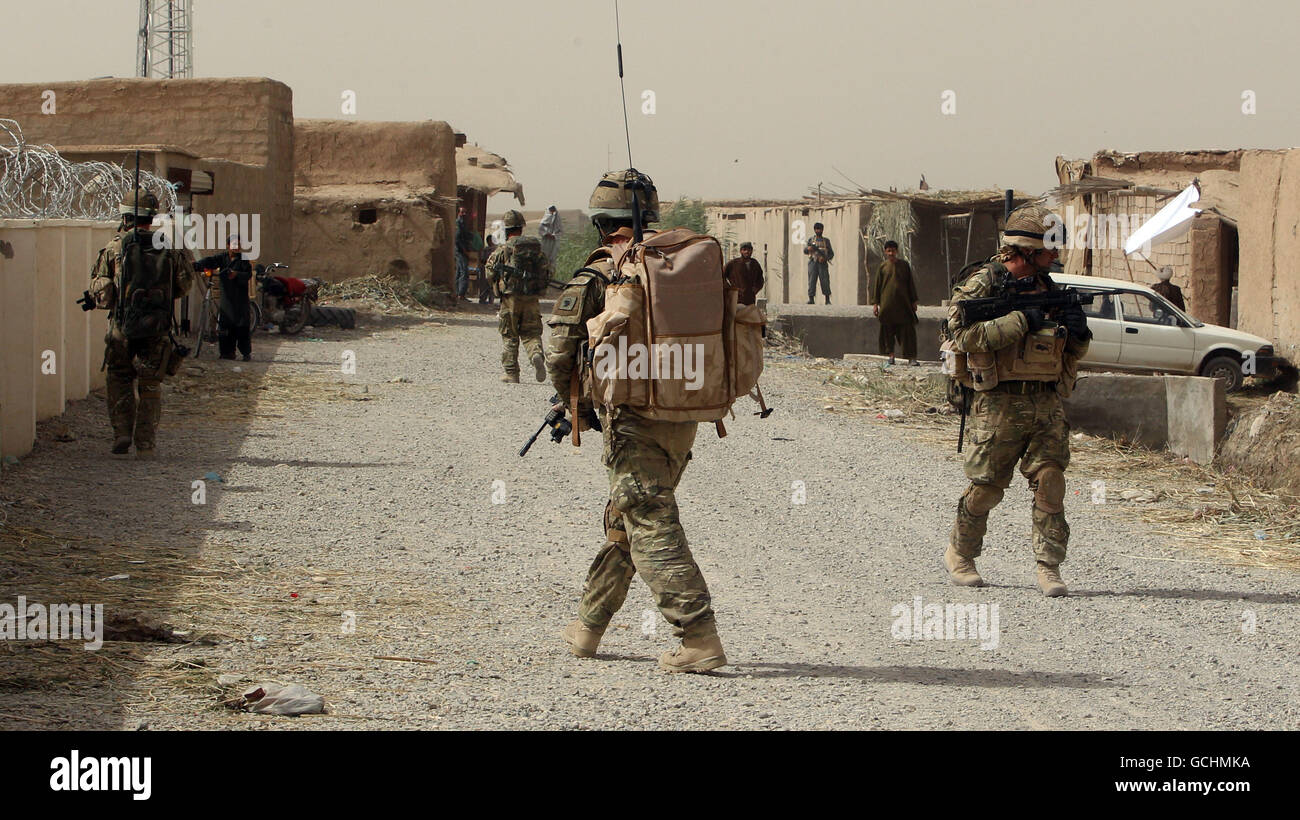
(364, 499)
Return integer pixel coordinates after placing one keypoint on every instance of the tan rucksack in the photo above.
(673, 343)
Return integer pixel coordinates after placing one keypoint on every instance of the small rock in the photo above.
(228, 679)
(399, 380)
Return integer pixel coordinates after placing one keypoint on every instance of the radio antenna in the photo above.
(618, 37)
(633, 181)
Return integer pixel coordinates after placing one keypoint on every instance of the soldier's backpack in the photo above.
(145, 280)
(673, 343)
(524, 267)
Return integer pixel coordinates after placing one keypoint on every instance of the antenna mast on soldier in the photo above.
(165, 45)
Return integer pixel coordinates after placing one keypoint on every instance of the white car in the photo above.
(1140, 330)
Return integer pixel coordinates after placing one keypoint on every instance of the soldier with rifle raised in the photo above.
(1016, 338)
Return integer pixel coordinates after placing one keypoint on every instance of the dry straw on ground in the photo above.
(386, 294)
(1200, 506)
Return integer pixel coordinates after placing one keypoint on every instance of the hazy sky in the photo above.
(753, 99)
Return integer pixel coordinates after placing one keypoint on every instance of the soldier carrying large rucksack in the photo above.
(518, 272)
(649, 333)
(138, 282)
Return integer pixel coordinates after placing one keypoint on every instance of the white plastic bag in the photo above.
(277, 699)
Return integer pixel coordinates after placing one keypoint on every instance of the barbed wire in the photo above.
(37, 183)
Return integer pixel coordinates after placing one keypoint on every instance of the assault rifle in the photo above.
(994, 307)
(560, 426)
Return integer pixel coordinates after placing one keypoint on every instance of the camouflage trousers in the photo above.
(135, 364)
(519, 318)
(644, 534)
(1008, 428)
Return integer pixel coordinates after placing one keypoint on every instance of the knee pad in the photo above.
(1049, 489)
(980, 498)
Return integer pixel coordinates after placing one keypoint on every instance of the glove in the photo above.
(1034, 318)
(1076, 323)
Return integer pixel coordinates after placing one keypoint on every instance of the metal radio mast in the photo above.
(165, 46)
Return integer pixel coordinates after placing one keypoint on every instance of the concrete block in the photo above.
(49, 363)
(831, 331)
(1186, 414)
(96, 320)
(1198, 415)
(76, 322)
(17, 340)
(1109, 404)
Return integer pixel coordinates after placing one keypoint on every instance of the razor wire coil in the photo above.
(37, 183)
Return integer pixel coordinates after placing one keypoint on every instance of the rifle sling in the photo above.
(573, 407)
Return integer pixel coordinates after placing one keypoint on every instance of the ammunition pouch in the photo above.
(1038, 357)
(984, 370)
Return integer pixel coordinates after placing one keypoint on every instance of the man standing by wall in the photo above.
(820, 253)
(464, 244)
(551, 228)
(745, 273)
(893, 302)
(1168, 289)
(234, 317)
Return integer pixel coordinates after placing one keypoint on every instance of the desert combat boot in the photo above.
(1049, 581)
(582, 639)
(698, 654)
(961, 569)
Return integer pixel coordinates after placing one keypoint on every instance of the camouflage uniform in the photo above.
(134, 364)
(645, 459)
(520, 316)
(1015, 421)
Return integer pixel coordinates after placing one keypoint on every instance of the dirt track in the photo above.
(367, 495)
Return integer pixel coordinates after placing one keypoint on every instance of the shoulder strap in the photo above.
(604, 280)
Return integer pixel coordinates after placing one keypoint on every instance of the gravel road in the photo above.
(815, 531)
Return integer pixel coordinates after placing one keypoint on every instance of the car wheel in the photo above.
(1226, 370)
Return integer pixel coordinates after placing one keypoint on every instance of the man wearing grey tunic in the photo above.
(550, 231)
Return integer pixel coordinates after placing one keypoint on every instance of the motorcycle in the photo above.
(287, 301)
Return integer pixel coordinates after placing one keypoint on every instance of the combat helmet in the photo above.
(1027, 225)
(612, 198)
(514, 219)
(148, 203)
